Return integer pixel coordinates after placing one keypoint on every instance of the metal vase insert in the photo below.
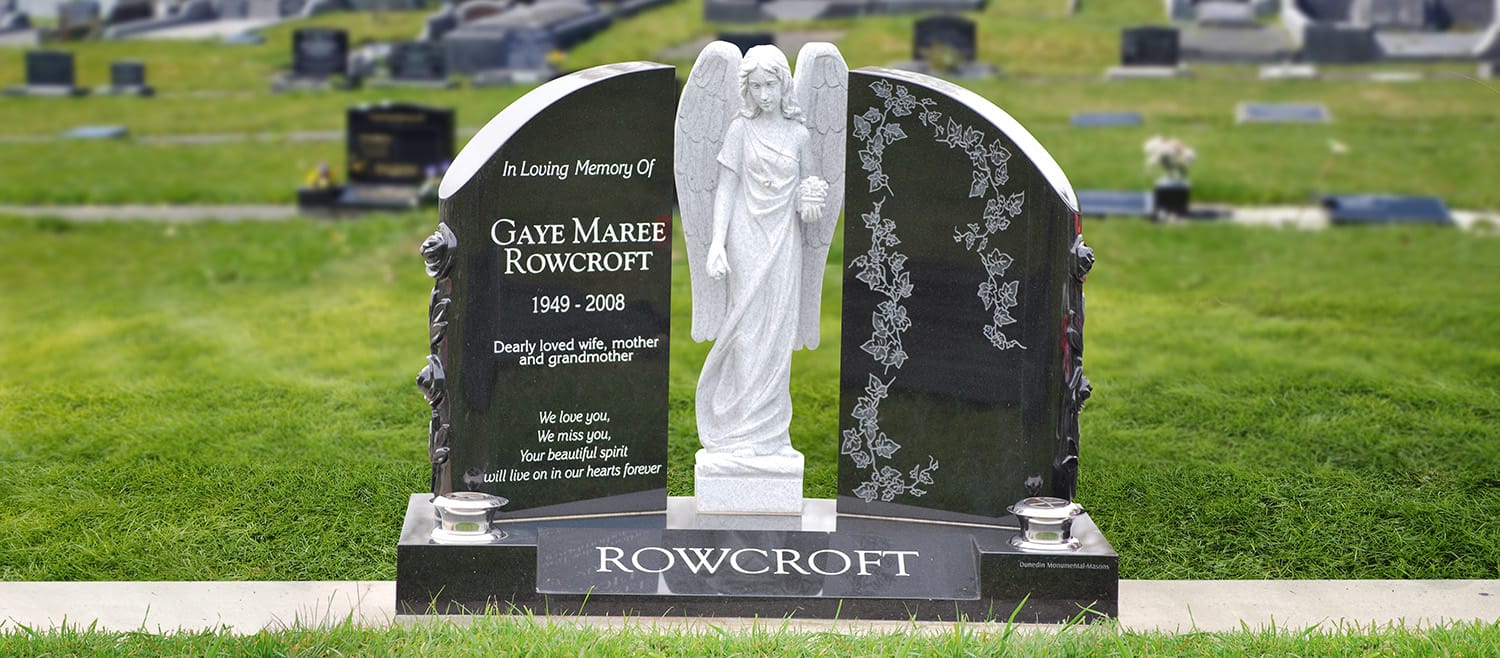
(464, 517)
(1046, 524)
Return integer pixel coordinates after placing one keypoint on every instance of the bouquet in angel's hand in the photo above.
(812, 193)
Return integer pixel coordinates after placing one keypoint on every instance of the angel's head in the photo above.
(766, 83)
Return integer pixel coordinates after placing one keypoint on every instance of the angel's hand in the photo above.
(812, 212)
(718, 261)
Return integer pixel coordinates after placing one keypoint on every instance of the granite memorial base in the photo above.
(832, 567)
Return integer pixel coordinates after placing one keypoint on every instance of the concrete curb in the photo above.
(1176, 606)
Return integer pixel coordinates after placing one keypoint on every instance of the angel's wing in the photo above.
(708, 104)
(822, 84)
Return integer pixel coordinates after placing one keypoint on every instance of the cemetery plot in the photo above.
(48, 73)
(1105, 119)
(1358, 209)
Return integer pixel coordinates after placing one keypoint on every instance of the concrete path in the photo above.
(1145, 605)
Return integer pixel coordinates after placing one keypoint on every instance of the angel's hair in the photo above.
(768, 58)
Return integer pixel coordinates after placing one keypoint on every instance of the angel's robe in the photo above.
(744, 390)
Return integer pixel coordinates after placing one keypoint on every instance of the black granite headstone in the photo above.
(961, 357)
(550, 313)
(127, 73)
(1150, 46)
(747, 40)
(318, 52)
(397, 143)
(49, 68)
(955, 33)
(418, 60)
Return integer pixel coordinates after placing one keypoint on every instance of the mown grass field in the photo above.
(525, 636)
(235, 401)
(1427, 137)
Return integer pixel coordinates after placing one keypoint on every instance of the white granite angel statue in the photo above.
(759, 168)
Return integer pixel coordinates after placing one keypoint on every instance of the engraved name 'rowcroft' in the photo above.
(754, 561)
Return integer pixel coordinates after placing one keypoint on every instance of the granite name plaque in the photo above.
(550, 314)
(319, 52)
(127, 73)
(961, 373)
(397, 143)
(755, 563)
(1281, 113)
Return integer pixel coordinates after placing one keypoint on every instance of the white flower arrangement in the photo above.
(1171, 155)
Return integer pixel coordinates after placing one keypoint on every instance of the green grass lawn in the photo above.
(1428, 137)
(235, 401)
(490, 636)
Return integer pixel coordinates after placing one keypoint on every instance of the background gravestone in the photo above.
(319, 52)
(77, 19)
(418, 61)
(961, 372)
(526, 48)
(1150, 46)
(747, 40)
(49, 68)
(396, 143)
(126, 11)
(128, 76)
(954, 33)
(551, 308)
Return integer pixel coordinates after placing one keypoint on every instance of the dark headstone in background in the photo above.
(395, 143)
(747, 40)
(1339, 44)
(441, 23)
(49, 68)
(1150, 46)
(503, 421)
(127, 73)
(418, 60)
(953, 32)
(961, 372)
(319, 52)
(132, 10)
(1356, 209)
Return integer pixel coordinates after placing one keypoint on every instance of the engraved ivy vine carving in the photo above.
(884, 270)
(990, 173)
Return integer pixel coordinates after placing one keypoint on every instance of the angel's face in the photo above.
(765, 89)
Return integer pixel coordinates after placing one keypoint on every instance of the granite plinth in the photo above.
(769, 484)
(845, 567)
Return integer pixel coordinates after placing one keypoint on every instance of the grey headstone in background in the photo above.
(1469, 14)
(1105, 119)
(232, 8)
(417, 60)
(1326, 11)
(1222, 13)
(1150, 46)
(49, 68)
(291, 7)
(1115, 203)
(1281, 113)
(77, 18)
(1390, 14)
(1339, 44)
(526, 48)
(956, 33)
(747, 40)
(318, 52)
(1355, 209)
